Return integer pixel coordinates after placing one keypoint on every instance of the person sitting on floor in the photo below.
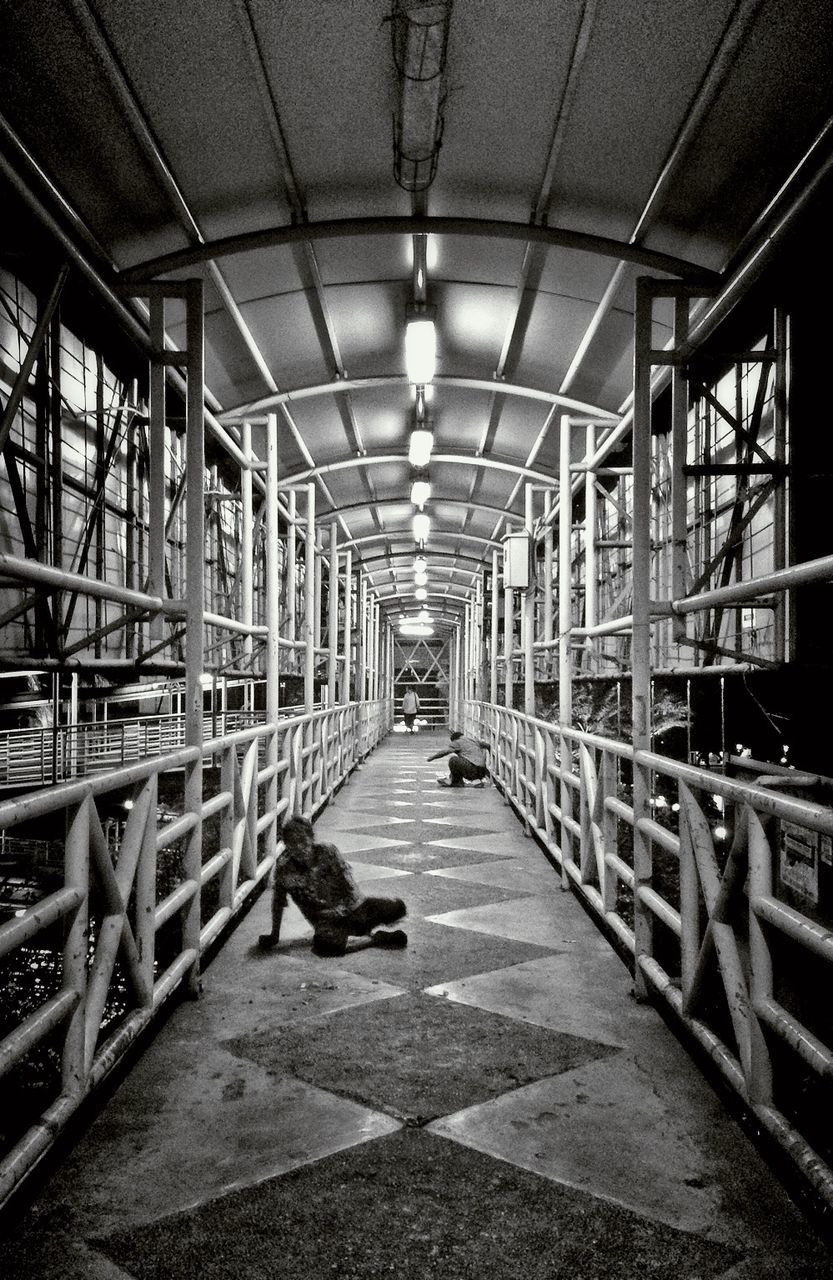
(320, 883)
(467, 761)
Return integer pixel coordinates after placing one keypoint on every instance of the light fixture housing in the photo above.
(420, 564)
(420, 593)
(422, 527)
(419, 446)
(420, 492)
(420, 579)
(420, 345)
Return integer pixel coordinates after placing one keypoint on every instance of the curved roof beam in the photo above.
(491, 228)
(266, 404)
(461, 459)
(451, 534)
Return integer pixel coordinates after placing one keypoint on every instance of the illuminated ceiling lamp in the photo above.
(422, 527)
(410, 628)
(420, 343)
(419, 37)
(420, 445)
(420, 593)
(420, 579)
(420, 564)
(420, 491)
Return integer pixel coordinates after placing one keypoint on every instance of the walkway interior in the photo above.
(488, 1103)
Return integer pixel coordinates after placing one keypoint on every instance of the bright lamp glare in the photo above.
(421, 527)
(420, 350)
(419, 449)
(424, 615)
(420, 579)
(420, 492)
(420, 594)
(420, 564)
(415, 629)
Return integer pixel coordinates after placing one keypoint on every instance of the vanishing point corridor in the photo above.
(487, 1103)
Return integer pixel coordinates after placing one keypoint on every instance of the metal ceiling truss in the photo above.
(488, 228)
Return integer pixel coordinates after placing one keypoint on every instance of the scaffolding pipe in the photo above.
(494, 632)
(309, 602)
(195, 608)
(332, 615)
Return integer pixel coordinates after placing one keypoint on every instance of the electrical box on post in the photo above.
(516, 561)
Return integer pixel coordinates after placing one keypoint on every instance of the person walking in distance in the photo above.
(320, 883)
(467, 761)
(410, 707)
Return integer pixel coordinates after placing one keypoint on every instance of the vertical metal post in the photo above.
(348, 620)
(319, 576)
(292, 579)
(361, 634)
(679, 483)
(156, 478)
(548, 545)
(76, 944)
(782, 632)
(130, 523)
(247, 556)
(273, 617)
(528, 616)
(195, 608)
(591, 568)
(309, 602)
(478, 638)
(641, 638)
(332, 616)
(565, 623)
(494, 633)
(508, 641)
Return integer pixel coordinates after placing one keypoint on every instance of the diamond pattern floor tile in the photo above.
(417, 1057)
(414, 1207)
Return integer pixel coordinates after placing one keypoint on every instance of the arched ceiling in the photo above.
(584, 142)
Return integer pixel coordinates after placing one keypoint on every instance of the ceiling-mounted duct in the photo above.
(420, 38)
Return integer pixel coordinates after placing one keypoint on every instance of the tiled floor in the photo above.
(489, 1102)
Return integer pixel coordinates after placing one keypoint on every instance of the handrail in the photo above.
(716, 897)
(265, 772)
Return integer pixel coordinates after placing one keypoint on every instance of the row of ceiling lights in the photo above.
(420, 363)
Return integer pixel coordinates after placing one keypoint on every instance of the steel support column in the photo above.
(309, 602)
(528, 615)
(494, 632)
(332, 617)
(641, 635)
(273, 613)
(195, 608)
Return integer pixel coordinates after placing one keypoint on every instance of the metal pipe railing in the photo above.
(720, 916)
(98, 1014)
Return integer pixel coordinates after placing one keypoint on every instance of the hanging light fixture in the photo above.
(420, 344)
(420, 579)
(421, 594)
(420, 564)
(420, 491)
(422, 526)
(420, 445)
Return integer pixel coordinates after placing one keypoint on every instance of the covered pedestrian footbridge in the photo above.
(519, 404)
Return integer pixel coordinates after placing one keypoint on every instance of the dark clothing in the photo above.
(462, 770)
(331, 936)
(324, 891)
(322, 887)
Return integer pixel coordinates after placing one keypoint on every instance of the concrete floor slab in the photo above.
(230, 1125)
(507, 873)
(504, 844)
(539, 920)
(612, 1128)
